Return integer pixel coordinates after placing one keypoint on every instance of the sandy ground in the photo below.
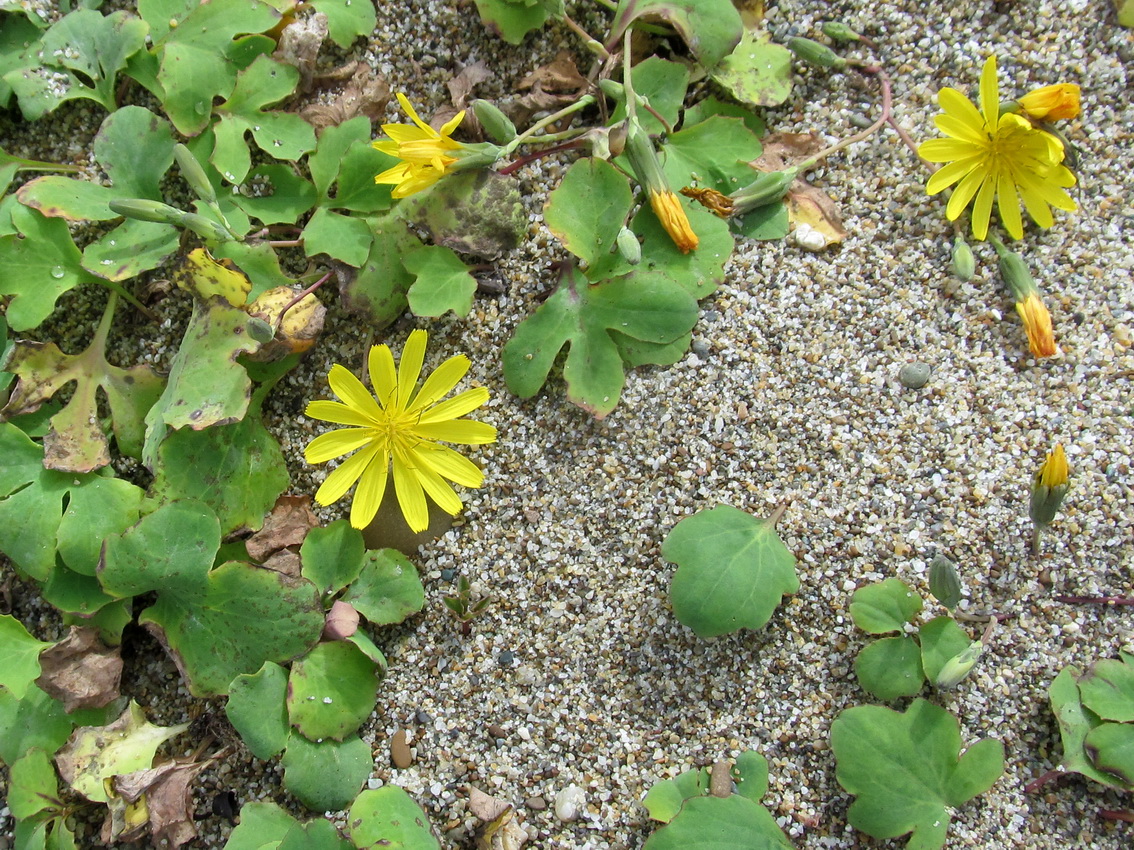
(579, 674)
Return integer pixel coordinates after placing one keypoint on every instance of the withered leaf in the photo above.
(360, 95)
(81, 670)
(499, 828)
(462, 85)
(815, 215)
(299, 44)
(559, 75)
(782, 150)
(285, 562)
(168, 798)
(287, 524)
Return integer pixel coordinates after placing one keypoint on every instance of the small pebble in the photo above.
(914, 376)
(505, 658)
(423, 717)
(700, 347)
(497, 731)
(447, 575)
(569, 803)
(400, 752)
(537, 804)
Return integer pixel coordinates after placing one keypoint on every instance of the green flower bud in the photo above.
(944, 581)
(962, 260)
(768, 188)
(1014, 272)
(629, 246)
(815, 53)
(206, 228)
(838, 31)
(958, 667)
(146, 210)
(497, 126)
(613, 89)
(194, 174)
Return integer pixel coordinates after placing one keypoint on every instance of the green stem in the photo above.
(558, 137)
(592, 44)
(609, 4)
(103, 329)
(116, 288)
(584, 101)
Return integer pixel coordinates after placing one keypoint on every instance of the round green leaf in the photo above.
(332, 556)
(890, 668)
(388, 817)
(257, 709)
(331, 691)
(1108, 689)
(326, 776)
(884, 607)
(35, 720)
(1110, 747)
(757, 72)
(664, 799)
(732, 571)
(587, 208)
(388, 589)
(941, 640)
(735, 823)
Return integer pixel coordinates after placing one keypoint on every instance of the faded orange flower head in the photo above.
(1037, 324)
(1052, 103)
(667, 207)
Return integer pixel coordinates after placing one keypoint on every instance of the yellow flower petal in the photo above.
(335, 486)
(335, 444)
(441, 382)
(990, 93)
(340, 414)
(450, 464)
(945, 150)
(440, 492)
(371, 489)
(407, 107)
(982, 208)
(410, 495)
(453, 123)
(383, 376)
(458, 405)
(950, 174)
(466, 432)
(409, 367)
(960, 107)
(1008, 205)
(352, 391)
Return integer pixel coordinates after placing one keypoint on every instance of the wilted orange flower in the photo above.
(1037, 324)
(667, 207)
(1052, 103)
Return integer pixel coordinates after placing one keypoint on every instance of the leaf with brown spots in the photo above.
(80, 670)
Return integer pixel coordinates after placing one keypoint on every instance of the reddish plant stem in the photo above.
(1095, 600)
(520, 161)
(1042, 780)
(285, 243)
(300, 297)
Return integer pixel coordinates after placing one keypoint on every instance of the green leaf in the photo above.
(757, 72)
(366, 647)
(766, 222)
(130, 249)
(247, 616)
(443, 282)
(662, 83)
(281, 135)
(735, 823)
(710, 106)
(1107, 689)
(238, 470)
(751, 774)
(31, 720)
(32, 787)
(890, 668)
(97, 47)
(326, 776)
(346, 21)
(588, 207)
(96, 753)
(884, 607)
(388, 817)
(314, 835)
(333, 142)
(338, 236)
(732, 571)
(906, 769)
(355, 188)
(257, 709)
(198, 55)
(698, 272)
(711, 28)
(664, 799)
(1075, 724)
(650, 308)
(16, 36)
(515, 20)
(39, 265)
(19, 656)
(332, 557)
(941, 640)
(715, 154)
(1110, 747)
(259, 262)
(277, 195)
(388, 589)
(378, 291)
(262, 826)
(331, 691)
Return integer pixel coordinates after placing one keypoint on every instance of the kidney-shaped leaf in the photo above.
(732, 571)
(906, 769)
(388, 817)
(884, 607)
(1107, 689)
(731, 823)
(388, 589)
(331, 691)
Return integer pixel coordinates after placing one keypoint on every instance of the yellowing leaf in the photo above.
(202, 275)
(96, 753)
(812, 211)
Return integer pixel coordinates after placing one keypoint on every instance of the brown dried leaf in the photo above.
(81, 670)
(810, 207)
(360, 95)
(168, 798)
(342, 621)
(461, 86)
(287, 525)
(559, 75)
(299, 44)
(500, 829)
(782, 150)
(284, 562)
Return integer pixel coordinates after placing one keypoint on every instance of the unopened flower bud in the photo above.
(944, 581)
(629, 246)
(1051, 103)
(962, 260)
(497, 126)
(1014, 272)
(838, 31)
(1049, 487)
(206, 228)
(815, 53)
(958, 667)
(768, 188)
(146, 210)
(194, 174)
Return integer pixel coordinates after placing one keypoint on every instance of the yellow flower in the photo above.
(1037, 324)
(1051, 103)
(425, 153)
(1054, 471)
(667, 207)
(993, 156)
(402, 425)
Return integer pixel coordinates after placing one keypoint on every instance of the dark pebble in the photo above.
(447, 575)
(537, 804)
(497, 731)
(423, 717)
(506, 657)
(914, 376)
(700, 347)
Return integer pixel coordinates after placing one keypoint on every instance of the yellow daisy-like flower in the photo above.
(425, 154)
(993, 156)
(1051, 103)
(402, 424)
